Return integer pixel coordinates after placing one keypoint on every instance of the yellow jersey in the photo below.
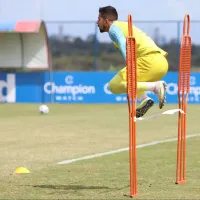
(144, 44)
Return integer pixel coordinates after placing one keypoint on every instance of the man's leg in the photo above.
(148, 78)
(151, 69)
(118, 86)
(159, 88)
(145, 104)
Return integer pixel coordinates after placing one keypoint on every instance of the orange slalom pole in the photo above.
(183, 91)
(132, 101)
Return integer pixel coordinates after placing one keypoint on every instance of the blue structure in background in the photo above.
(77, 87)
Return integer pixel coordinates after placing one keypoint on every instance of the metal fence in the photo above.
(79, 46)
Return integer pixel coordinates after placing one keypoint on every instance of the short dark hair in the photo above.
(109, 12)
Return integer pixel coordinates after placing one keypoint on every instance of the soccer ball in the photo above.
(44, 109)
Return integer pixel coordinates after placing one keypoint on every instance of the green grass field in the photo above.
(38, 142)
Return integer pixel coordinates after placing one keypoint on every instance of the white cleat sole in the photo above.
(162, 97)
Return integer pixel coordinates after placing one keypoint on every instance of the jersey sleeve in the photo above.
(117, 36)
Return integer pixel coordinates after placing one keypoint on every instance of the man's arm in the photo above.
(116, 35)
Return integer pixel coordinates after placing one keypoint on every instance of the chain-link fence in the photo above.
(79, 46)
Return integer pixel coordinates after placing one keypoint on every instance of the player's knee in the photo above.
(113, 87)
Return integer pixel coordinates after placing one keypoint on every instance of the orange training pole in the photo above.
(132, 100)
(183, 90)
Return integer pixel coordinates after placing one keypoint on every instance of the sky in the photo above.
(87, 10)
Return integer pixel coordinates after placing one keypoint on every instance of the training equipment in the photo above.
(167, 112)
(21, 170)
(132, 103)
(44, 109)
(183, 90)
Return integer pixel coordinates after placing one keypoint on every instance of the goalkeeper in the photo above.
(152, 64)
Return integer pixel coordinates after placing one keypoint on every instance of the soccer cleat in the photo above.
(144, 107)
(160, 90)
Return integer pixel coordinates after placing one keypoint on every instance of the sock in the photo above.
(147, 86)
(143, 96)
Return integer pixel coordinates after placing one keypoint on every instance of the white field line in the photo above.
(121, 150)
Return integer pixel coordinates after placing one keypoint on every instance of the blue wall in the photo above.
(72, 87)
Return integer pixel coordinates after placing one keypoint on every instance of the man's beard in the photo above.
(102, 30)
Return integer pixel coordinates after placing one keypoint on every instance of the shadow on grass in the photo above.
(69, 187)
